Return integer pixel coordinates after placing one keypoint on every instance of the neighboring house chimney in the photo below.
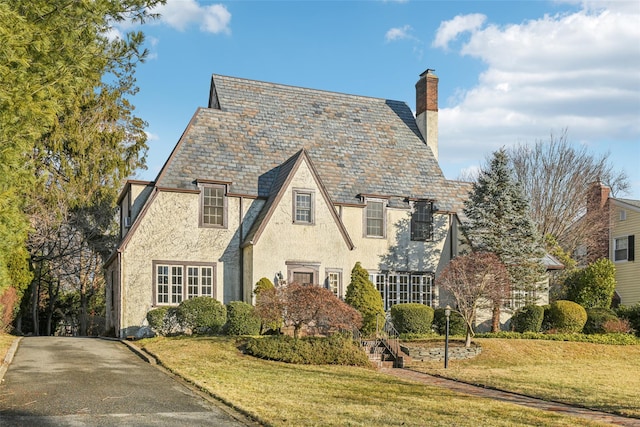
(427, 109)
(597, 218)
(597, 196)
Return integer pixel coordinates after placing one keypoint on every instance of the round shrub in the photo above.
(527, 319)
(566, 316)
(155, 317)
(412, 318)
(201, 315)
(241, 319)
(596, 319)
(456, 322)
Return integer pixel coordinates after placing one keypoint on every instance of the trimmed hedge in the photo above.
(241, 319)
(566, 317)
(612, 339)
(155, 317)
(596, 318)
(528, 319)
(201, 315)
(333, 350)
(412, 318)
(456, 322)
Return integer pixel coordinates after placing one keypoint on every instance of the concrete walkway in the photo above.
(515, 398)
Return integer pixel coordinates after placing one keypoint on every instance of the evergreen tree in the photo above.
(68, 135)
(363, 296)
(499, 222)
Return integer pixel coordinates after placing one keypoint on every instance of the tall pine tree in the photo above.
(499, 222)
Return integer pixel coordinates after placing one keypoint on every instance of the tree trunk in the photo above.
(35, 302)
(495, 318)
(467, 341)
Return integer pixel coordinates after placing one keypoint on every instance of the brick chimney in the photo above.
(427, 109)
(597, 196)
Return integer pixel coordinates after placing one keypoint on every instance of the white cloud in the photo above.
(575, 70)
(450, 30)
(399, 33)
(152, 136)
(180, 14)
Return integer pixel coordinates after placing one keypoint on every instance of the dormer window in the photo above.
(375, 211)
(213, 206)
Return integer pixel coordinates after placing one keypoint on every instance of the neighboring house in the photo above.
(616, 240)
(625, 225)
(291, 184)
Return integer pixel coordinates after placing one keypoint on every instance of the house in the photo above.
(292, 184)
(616, 240)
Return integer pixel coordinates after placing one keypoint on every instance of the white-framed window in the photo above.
(334, 282)
(175, 281)
(623, 215)
(199, 281)
(519, 298)
(405, 287)
(213, 206)
(375, 212)
(303, 207)
(624, 248)
(422, 221)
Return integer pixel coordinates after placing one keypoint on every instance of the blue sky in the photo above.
(511, 72)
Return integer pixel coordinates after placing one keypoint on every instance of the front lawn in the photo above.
(280, 394)
(598, 376)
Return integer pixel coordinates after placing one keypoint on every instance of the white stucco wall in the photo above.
(169, 231)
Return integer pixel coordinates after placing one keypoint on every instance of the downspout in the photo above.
(120, 292)
(240, 250)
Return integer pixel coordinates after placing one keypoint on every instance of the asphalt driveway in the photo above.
(64, 381)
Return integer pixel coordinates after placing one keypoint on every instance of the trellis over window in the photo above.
(405, 287)
(213, 204)
(422, 220)
(624, 248)
(175, 281)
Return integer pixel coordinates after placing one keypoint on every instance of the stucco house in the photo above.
(292, 184)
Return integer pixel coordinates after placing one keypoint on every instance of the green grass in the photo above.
(280, 394)
(598, 376)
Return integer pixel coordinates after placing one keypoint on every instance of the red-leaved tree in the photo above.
(476, 281)
(310, 306)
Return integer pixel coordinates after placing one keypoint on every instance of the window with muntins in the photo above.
(624, 248)
(213, 206)
(303, 207)
(176, 281)
(199, 281)
(422, 221)
(333, 283)
(406, 287)
(375, 218)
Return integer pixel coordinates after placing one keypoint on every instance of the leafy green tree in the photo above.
(592, 286)
(67, 129)
(363, 296)
(499, 222)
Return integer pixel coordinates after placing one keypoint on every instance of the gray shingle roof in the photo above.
(359, 145)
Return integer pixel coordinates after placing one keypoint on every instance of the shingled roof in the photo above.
(359, 145)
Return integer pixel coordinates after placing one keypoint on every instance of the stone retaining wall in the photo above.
(434, 354)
